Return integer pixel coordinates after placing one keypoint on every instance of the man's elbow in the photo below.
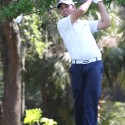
(104, 24)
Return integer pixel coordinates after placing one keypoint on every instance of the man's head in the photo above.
(66, 7)
(68, 2)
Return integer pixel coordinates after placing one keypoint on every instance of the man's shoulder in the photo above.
(64, 23)
(64, 19)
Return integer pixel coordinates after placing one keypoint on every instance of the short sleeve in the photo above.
(64, 24)
(94, 26)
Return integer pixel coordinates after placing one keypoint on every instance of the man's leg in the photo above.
(92, 92)
(78, 93)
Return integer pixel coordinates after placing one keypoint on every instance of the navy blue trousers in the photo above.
(86, 83)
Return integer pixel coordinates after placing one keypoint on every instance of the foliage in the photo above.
(121, 2)
(116, 59)
(35, 116)
(47, 121)
(50, 76)
(113, 56)
(112, 113)
(47, 75)
(14, 8)
(31, 34)
(32, 116)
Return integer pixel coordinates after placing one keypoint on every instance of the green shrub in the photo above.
(34, 116)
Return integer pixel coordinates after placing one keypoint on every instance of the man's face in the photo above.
(66, 10)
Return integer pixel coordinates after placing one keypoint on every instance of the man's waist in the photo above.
(86, 61)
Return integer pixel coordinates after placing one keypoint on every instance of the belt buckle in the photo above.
(85, 61)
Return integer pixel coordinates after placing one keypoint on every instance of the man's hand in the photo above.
(96, 1)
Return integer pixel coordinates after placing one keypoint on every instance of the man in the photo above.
(87, 66)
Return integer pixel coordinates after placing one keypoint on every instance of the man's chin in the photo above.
(65, 15)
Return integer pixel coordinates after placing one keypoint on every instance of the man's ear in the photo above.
(74, 7)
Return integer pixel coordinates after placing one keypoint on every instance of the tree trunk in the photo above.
(10, 46)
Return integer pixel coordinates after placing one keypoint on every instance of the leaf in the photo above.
(32, 116)
(47, 121)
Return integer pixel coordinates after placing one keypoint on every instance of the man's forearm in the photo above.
(104, 14)
(80, 11)
(85, 6)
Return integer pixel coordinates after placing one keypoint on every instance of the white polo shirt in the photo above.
(78, 38)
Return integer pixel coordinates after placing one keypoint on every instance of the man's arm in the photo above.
(105, 19)
(80, 11)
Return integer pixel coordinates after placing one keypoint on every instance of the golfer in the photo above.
(87, 66)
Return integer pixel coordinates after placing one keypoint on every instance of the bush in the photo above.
(34, 116)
